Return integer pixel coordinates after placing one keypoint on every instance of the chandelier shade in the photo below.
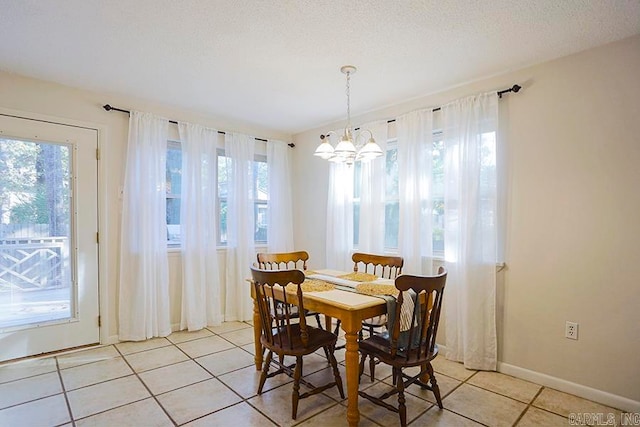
(349, 149)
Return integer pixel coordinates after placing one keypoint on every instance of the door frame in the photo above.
(103, 218)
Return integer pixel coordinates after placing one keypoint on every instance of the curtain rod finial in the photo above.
(516, 88)
(107, 107)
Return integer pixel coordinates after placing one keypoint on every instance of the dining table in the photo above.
(341, 302)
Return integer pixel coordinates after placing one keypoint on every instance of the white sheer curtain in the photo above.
(280, 216)
(372, 194)
(239, 151)
(469, 134)
(415, 159)
(201, 305)
(144, 278)
(340, 215)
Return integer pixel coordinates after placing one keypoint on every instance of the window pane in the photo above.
(223, 221)
(438, 225)
(224, 163)
(35, 233)
(173, 220)
(261, 175)
(356, 223)
(357, 179)
(391, 224)
(174, 170)
(260, 234)
(392, 174)
(438, 196)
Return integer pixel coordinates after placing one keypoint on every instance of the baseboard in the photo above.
(113, 339)
(579, 390)
(599, 396)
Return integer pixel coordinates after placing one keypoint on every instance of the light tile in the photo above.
(382, 372)
(451, 369)
(155, 358)
(445, 384)
(239, 337)
(312, 362)
(204, 346)
(145, 412)
(325, 376)
(229, 326)
(436, 417)
(335, 416)
(563, 404)
(31, 388)
(92, 373)
(26, 368)
(505, 385)
(82, 357)
(101, 397)
(277, 403)
(194, 401)
(245, 381)
(535, 417)
(49, 411)
(183, 336)
(484, 406)
(171, 377)
(226, 361)
(251, 348)
(129, 347)
(241, 411)
(415, 406)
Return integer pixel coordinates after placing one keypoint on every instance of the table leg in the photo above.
(257, 332)
(352, 368)
(327, 323)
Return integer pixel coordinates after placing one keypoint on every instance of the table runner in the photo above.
(352, 285)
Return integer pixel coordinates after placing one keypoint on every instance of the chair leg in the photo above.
(402, 408)
(361, 370)
(265, 371)
(318, 320)
(336, 331)
(336, 373)
(434, 385)
(295, 396)
(372, 367)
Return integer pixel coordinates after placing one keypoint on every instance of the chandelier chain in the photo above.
(348, 100)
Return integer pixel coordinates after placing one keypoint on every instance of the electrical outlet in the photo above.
(571, 330)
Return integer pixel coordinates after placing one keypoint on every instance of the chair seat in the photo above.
(292, 345)
(380, 347)
(376, 322)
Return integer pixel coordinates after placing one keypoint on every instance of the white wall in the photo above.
(29, 96)
(573, 248)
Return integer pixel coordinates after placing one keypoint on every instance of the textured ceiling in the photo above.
(275, 63)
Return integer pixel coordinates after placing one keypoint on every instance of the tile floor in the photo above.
(207, 378)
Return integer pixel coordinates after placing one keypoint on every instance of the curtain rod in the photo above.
(108, 107)
(515, 89)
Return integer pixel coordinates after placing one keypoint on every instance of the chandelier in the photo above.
(350, 149)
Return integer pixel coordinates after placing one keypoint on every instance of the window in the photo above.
(259, 193)
(392, 198)
(174, 188)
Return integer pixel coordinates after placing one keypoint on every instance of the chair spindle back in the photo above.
(424, 321)
(270, 290)
(388, 267)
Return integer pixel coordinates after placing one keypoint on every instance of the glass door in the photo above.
(48, 237)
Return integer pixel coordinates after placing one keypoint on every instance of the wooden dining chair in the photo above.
(286, 261)
(285, 337)
(384, 266)
(411, 341)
